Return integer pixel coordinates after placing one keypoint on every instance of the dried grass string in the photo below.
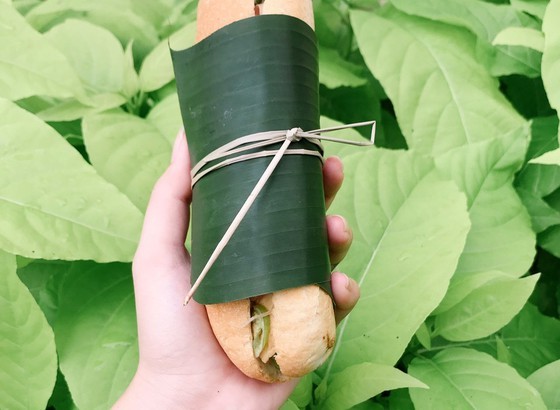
(258, 140)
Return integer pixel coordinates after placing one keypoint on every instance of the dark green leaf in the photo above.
(96, 333)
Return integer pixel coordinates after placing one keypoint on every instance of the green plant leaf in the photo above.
(533, 184)
(71, 110)
(409, 230)
(131, 81)
(546, 380)
(463, 285)
(61, 397)
(400, 400)
(23, 6)
(423, 335)
(551, 54)
(544, 136)
(549, 239)
(157, 68)
(43, 279)
(93, 51)
(532, 340)
(96, 333)
(485, 21)
(53, 205)
(501, 237)
(520, 36)
(466, 379)
(27, 350)
(358, 383)
(289, 405)
(128, 151)
(29, 64)
(436, 108)
(485, 310)
(116, 16)
(548, 158)
(166, 117)
(534, 7)
(334, 71)
(303, 393)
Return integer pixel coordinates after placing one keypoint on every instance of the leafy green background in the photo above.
(455, 212)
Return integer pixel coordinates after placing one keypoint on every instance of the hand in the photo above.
(181, 364)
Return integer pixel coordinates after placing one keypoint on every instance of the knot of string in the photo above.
(257, 140)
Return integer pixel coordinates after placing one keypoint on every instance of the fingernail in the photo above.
(345, 278)
(341, 163)
(346, 281)
(178, 144)
(344, 224)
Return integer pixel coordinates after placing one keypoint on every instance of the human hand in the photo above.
(181, 365)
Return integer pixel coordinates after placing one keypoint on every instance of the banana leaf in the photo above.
(258, 74)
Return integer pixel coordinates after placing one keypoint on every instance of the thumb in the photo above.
(167, 216)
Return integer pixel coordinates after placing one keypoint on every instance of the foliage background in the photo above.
(456, 212)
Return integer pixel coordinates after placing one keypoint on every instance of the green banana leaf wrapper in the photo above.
(258, 74)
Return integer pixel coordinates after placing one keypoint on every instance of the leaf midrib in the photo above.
(67, 219)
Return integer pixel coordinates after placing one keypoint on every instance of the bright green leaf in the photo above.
(358, 383)
(436, 108)
(289, 405)
(463, 285)
(115, 15)
(53, 205)
(551, 54)
(29, 64)
(546, 380)
(23, 6)
(543, 216)
(532, 340)
(485, 310)
(166, 117)
(303, 393)
(548, 158)
(131, 82)
(335, 72)
(93, 51)
(409, 230)
(466, 379)
(533, 184)
(520, 36)
(157, 68)
(154, 11)
(534, 7)
(71, 110)
(501, 237)
(367, 405)
(485, 21)
(96, 333)
(27, 350)
(128, 151)
(424, 337)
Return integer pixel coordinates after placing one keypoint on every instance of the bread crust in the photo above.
(302, 322)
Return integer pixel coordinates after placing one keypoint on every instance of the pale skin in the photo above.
(181, 365)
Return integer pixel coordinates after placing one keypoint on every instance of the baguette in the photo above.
(296, 333)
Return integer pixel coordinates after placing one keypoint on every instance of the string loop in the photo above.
(253, 141)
